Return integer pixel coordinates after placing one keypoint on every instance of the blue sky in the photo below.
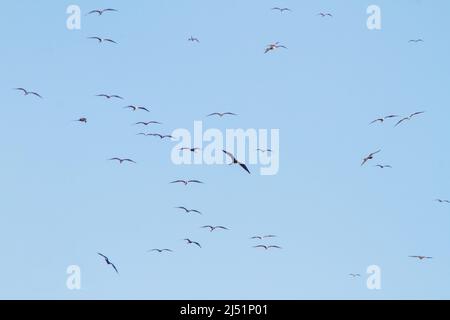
(62, 201)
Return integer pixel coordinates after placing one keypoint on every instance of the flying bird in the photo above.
(264, 150)
(83, 120)
(267, 247)
(107, 96)
(186, 182)
(369, 157)
(147, 123)
(213, 228)
(263, 237)
(189, 241)
(190, 149)
(323, 14)
(192, 39)
(101, 40)
(273, 46)
(415, 40)
(107, 261)
(421, 257)
(102, 11)
(222, 114)
(354, 275)
(442, 201)
(281, 9)
(26, 92)
(161, 136)
(381, 120)
(160, 250)
(235, 161)
(122, 160)
(135, 108)
(188, 210)
(383, 166)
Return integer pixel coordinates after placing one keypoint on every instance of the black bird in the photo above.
(192, 39)
(263, 237)
(161, 136)
(354, 275)
(235, 161)
(160, 250)
(101, 40)
(281, 9)
(189, 241)
(26, 92)
(442, 201)
(186, 182)
(122, 160)
(102, 11)
(267, 247)
(323, 14)
(107, 96)
(147, 123)
(190, 149)
(222, 114)
(421, 257)
(410, 117)
(369, 157)
(273, 46)
(213, 228)
(188, 210)
(381, 120)
(135, 108)
(416, 40)
(107, 261)
(264, 150)
(83, 120)
(383, 166)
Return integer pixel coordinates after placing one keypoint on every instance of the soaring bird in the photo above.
(415, 40)
(189, 241)
(381, 120)
(267, 247)
(281, 9)
(213, 228)
(222, 114)
(107, 261)
(190, 149)
(147, 123)
(442, 201)
(107, 96)
(383, 166)
(273, 46)
(135, 108)
(186, 182)
(26, 92)
(122, 160)
(264, 150)
(421, 257)
(83, 120)
(410, 117)
(101, 40)
(160, 250)
(263, 237)
(323, 14)
(192, 39)
(369, 157)
(161, 136)
(188, 210)
(354, 275)
(102, 11)
(235, 161)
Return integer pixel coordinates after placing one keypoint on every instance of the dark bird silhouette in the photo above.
(354, 275)
(147, 123)
(161, 136)
(188, 210)
(415, 40)
(213, 228)
(264, 150)
(267, 247)
(281, 9)
(102, 11)
(160, 250)
(107, 261)
(122, 160)
(189, 241)
(263, 237)
(421, 257)
(192, 39)
(273, 46)
(369, 157)
(442, 201)
(186, 182)
(107, 96)
(410, 117)
(26, 92)
(83, 120)
(235, 161)
(101, 40)
(190, 149)
(135, 108)
(383, 166)
(222, 114)
(323, 14)
(381, 120)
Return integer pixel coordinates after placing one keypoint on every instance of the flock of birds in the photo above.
(234, 161)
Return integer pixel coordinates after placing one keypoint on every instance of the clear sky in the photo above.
(62, 201)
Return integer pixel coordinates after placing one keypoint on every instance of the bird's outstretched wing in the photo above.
(243, 166)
